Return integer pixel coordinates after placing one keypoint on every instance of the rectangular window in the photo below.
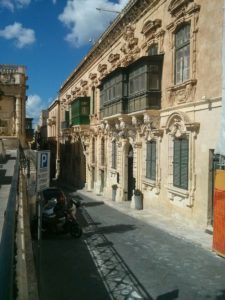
(137, 80)
(180, 163)
(182, 54)
(114, 154)
(151, 160)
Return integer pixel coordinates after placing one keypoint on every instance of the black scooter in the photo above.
(58, 220)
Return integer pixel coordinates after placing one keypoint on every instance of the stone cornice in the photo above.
(132, 12)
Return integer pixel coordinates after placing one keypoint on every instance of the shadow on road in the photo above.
(68, 271)
(119, 280)
(91, 204)
(120, 228)
(169, 296)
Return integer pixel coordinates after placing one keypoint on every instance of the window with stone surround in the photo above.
(151, 160)
(114, 154)
(182, 54)
(180, 163)
(93, 150)
(102, 151)
(93, 91)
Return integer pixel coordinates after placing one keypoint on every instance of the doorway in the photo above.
(131, 179)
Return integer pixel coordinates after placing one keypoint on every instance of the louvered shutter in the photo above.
(153, 160)
(148, 157)
(176, 163)
(184, 164)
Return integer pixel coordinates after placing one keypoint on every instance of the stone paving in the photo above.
(173, 226)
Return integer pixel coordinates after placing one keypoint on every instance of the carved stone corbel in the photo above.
(130, 47)
(102, 69)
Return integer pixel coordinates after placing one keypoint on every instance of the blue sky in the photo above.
(50, 37)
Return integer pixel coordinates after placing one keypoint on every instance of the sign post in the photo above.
(43, 170)
(43, 182)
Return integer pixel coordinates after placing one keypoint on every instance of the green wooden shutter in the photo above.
(180, 163)
(153, 160)
(176, 163)
(148, 162)
(114, 154)
(184, 164)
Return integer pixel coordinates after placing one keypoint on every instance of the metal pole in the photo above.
(39, 241)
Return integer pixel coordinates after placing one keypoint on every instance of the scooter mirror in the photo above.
(52, 202)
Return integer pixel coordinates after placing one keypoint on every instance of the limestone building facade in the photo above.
(53, 127)
(142, 109)
(13, 102)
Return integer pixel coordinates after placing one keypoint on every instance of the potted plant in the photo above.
(138, 199)
(114, 188)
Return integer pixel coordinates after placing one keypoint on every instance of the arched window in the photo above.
(182, 54)
(114, 154)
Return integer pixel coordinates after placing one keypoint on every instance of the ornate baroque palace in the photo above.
(142, 110)
(13, 102)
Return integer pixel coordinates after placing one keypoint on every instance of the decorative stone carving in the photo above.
(84, 87)
(83, 82)
(182, 93)
(7, 78)
(92, 76)
(177, 8)
(130, 48)
(94, 80)
(179, 123)
(102, 69)
(151, 129)
(113, 59)
(153, 34)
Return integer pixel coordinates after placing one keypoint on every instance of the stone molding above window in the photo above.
(178, 8)
(178, 124)
(153, 34)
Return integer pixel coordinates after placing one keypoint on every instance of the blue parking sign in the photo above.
(44, 160)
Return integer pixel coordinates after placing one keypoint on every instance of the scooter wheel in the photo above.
(75, 231)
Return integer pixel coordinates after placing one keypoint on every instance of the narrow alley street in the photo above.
(120, 257)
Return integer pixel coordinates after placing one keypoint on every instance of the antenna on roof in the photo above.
(108, 10)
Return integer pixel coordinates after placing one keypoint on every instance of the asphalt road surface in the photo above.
(120, 257)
